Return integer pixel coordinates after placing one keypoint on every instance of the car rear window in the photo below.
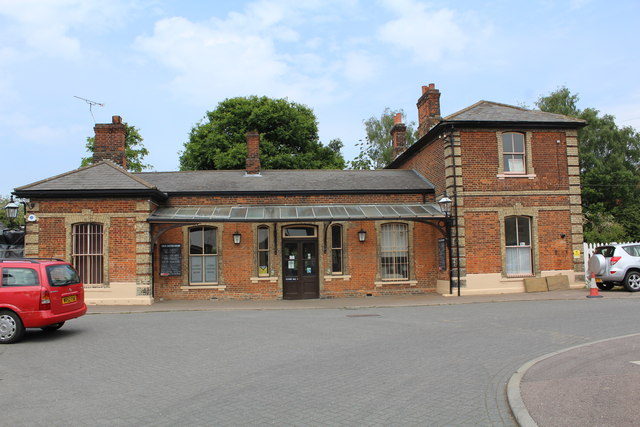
(632, 250)
(12, 276)
(605, 251)
(62, 274)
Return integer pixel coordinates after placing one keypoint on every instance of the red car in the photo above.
(37, 293)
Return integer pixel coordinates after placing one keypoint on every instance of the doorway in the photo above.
(300, 269)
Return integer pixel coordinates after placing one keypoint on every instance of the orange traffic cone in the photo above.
(593, 288)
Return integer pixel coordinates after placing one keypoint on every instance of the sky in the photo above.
(162, 64)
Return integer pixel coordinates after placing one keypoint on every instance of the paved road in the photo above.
(432, 365)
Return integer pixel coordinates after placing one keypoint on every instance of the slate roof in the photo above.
(491, 114)
(289, 181)
(486, 111)
(107, 179)
(101, 177)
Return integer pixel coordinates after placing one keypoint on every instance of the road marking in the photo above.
(636, 362)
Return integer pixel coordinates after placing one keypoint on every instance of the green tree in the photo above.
(288, 137)
(135, 151)
(376, 151)
(609, 169)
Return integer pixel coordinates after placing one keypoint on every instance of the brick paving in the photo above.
(437, 364)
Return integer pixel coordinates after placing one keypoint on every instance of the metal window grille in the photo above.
(88, 252)
(394, 251)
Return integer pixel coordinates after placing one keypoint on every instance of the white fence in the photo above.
(590, 247)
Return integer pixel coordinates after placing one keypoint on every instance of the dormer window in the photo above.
(513, 153)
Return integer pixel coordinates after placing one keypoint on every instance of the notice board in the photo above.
(171, 260)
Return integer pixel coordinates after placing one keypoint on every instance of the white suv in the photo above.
(616, 264)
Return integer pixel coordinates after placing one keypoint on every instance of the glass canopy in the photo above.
(295, 213)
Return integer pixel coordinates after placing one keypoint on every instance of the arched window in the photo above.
(263, 251)
(394, 251)
(203, 255)
(336, 249)
(88, 252)
(517, 231)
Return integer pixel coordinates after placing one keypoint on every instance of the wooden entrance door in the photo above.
(300, 269)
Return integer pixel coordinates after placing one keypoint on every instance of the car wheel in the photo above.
(53, 327)
(11, 328)
(632, 281)
(605, 286)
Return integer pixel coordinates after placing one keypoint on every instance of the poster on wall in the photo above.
(171, 260)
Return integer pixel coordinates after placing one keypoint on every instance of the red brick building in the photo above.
(137, 237)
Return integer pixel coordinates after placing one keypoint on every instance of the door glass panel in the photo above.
(291, 259)
(309, 255)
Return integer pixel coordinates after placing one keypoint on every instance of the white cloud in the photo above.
(257, 51)
(45, 26)
(429, 34)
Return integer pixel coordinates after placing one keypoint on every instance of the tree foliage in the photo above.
(609, 169)
(288, 137)
(135, 151)
(376, 151)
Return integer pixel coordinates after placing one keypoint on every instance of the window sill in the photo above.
(516, 175)
(337, 277)
(192, 287)
(272, 279)
(396, 282)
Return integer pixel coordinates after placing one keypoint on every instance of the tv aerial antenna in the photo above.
(91, 104)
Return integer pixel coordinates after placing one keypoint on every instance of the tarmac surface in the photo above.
(599, 381)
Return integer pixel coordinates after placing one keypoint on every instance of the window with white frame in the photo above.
(88, 252)
(203, 255)
(336, 249)
(394, 251)
(513, 153)
(518, 245)
(263, 251)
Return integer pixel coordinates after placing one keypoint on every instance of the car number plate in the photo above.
(598, 280)
(69, 299)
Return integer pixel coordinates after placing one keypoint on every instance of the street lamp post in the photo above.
(445, 206)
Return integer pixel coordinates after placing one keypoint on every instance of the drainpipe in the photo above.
(455, 205)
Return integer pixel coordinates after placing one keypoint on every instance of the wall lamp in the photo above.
(11, 209)
(445, 204)
(236, 238)
(362, 235)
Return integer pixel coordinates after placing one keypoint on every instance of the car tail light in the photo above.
(615, 259)
(45, 300)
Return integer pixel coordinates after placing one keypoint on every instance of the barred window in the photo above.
(263, 251)
(336, 249)
(88, 252)
(203, 255)
(394, 251)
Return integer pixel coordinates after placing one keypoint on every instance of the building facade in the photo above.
(139, 237)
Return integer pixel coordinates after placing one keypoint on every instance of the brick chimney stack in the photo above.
(253, 153)
(109, 143)
(398, 136)
(428, 109)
